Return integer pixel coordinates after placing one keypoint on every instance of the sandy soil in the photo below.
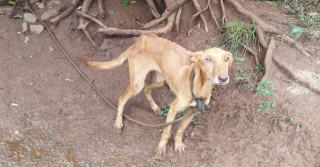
(49, 116)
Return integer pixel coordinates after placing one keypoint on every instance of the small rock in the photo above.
(29, 17)
(51, 49)
(51, 4)
(49, 14)
(33, 1)
(40, 5)
(26, 39)
(204, 156)
(36, 29)
(25, 27)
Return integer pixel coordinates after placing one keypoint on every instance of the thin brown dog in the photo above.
(168, 62)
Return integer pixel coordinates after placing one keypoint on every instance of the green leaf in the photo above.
(239, 59)
(273, 3)
(125, 3)
(313, 13)
(11, 2)
(296, 30)
(79, 7)
(239, 78)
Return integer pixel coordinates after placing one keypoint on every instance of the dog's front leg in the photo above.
(176, 105)
(178, 145)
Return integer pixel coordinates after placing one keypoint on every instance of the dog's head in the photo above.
(214, 62)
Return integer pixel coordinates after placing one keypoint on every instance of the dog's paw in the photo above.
(179, 147)
(156, 109)
(118, 125)
(161, 149)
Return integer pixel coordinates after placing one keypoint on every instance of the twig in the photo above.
(83, 24)
(197, 6)
(91, 18)
(165, 14)
(177, 22)
(268, 59)
(102, 13)
(153, 8)
(65, 13)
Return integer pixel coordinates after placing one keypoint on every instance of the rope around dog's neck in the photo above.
(201, 105)
(104, 98)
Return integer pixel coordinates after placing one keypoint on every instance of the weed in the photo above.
(267, 105)
(239, 59)
(259, 68)
(264, 89)
(164, 110)
(237, 34)
(180, 114)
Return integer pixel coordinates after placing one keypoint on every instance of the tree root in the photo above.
(115, 31)
(213, 15)
(200, 11)
(102, 13)
(66, 12)
(261, 38)
(253, 52)
(83, 24)
(267, 27)
(153, 9)
(177, 22)
(294, 76)
(268, 59)
(224, 18)
(172, 8)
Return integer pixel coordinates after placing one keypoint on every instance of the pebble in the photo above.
(49, 14)
(29, 17)
(25, 27)
(51, 49)
(40, 5)
(36, 29)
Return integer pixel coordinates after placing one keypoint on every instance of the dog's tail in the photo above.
(107, 65)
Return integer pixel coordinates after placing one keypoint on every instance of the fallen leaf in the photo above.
(125, 3)
(69, 80)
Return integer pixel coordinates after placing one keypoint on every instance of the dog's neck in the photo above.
(201, 83)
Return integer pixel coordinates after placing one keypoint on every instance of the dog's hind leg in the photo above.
(136, 85)
(179, 146)
(156, 80)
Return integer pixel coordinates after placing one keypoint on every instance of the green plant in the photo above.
(237, 34)
(180, 114)
(164, 110)
(239, 59)
(267, 105)
(259, 68)
(264, 89)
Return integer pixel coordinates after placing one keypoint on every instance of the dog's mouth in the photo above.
(219, 81)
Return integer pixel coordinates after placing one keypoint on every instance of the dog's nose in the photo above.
(223, 78)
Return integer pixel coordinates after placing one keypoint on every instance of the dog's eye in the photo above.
(226, 59)
(208, 59)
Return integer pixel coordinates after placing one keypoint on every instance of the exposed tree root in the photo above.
(102, 13)
(200, 11)
(294, 76)
(115, 31)
(83, 24)
(66, 12)
(213, 15)
(253, 52)
(153, 9)
(177, 22)
(172, 8)
(224, 18)
(261, 38)
(266, 27)
(268, 59)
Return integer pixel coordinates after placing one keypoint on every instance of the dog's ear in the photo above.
(230, 59)
(195, 56)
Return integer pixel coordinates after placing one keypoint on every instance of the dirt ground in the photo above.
(49, 116)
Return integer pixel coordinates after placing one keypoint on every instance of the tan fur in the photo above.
(169, 62)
